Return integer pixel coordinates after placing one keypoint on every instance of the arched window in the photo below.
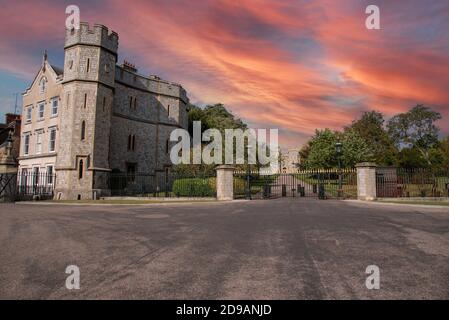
(83, 130)
(43, 85)
(80, 169)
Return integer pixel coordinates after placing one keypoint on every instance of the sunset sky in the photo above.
(293, 65)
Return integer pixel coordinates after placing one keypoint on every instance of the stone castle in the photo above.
(93, 117)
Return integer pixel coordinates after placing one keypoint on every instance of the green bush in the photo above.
(194, 187)
(239, 186)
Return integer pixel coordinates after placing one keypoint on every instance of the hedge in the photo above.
(194, 187)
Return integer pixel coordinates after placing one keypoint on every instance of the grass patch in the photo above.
(427, 203)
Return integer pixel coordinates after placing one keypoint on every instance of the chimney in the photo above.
(129, 66)
(11, 117)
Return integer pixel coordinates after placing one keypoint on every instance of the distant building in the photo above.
(94, 117)
(291, 160)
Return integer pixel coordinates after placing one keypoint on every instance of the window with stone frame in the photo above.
(39, 135)
(26, 144)
(83, 130)
(43, 85)
(52, 140)
(28, 113)
(50, 173)
(54, 106)
(41, 110)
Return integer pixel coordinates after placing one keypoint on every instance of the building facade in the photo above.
(291, 160)
(94, 117)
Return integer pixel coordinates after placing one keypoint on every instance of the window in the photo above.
(23, 180)
(85, 100)
(135, 104)
(168, 110)
(83, 130)
(35, 176)
(54, 106)
(131, 142)
(43, 85)
(39, 142)
(26, 144)
(52, 142)
(130, 102)
(40, 110)
(49, 174)
(28, 114)
(167, 144)
(104, 104)
(80, 169)
(88, 64)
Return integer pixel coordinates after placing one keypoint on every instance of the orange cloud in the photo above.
(296, 65)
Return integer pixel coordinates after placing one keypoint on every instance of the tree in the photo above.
(444, 148)
(323, 153)
(212, 117)
(355, 149)
(416, 129)
(370, 127)
(304, 152)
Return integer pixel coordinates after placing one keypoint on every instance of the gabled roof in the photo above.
(59, 71)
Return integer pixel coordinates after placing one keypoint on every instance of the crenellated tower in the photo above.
(85, 126)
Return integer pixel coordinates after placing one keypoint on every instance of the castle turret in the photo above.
(88, 90)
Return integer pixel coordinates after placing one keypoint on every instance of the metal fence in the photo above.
(163, 184)
(399, 183)
(26, 186)
(322, 184)
(35, 185)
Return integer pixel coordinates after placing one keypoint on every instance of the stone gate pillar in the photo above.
(225, 182)
(366, 181)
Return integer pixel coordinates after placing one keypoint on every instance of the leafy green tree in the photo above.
(444, 149)
(355, 149)
(323, 153)
(370, 127)
(212, 117)
(416, 129)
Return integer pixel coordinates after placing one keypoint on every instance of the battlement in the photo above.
(99, 35)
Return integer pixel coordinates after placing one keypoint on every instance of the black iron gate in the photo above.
(320, 184)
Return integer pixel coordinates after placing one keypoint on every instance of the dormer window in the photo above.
(43, 85)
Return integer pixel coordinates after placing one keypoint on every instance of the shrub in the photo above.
(194, 187)
(239, 186)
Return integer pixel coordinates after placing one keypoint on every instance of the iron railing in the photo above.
(162, 185)
(323, 184)
(399, 183)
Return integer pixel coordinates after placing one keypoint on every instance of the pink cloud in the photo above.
(297, 65)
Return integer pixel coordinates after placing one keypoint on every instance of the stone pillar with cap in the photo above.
(225, 182)
(366, 181)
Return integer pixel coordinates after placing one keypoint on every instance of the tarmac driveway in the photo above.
(292, 248)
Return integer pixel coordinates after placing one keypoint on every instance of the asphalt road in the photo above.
(267, 249)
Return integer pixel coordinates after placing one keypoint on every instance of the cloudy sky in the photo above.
(294, 65)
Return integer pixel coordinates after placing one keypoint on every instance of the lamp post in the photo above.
(338, 149)
(248, 174)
